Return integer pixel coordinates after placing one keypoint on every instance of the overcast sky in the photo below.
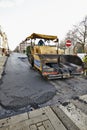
(20, 18)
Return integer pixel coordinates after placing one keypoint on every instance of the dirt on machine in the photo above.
(45, 56)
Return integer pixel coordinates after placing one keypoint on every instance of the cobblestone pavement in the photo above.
(67, 116)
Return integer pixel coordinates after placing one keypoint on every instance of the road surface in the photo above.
(22, 86)
(23, 89)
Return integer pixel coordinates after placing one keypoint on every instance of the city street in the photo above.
(23, 89)
(43, 65)
(22, 86)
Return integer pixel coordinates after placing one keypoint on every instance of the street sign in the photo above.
(68, 43)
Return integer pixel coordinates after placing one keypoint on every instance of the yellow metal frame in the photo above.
(41, 36)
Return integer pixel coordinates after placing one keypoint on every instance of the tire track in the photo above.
(67, 89)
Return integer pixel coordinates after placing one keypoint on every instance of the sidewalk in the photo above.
(40, 119)
(71, 115)
(67, 116)
(3, 60)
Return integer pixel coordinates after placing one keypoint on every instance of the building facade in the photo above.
(3, 41)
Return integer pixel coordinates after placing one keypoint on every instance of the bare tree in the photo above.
(78, 34)
(71, 36)
(81, 32)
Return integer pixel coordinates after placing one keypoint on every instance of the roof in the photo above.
(41, 36)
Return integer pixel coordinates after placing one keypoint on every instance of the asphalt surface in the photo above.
(22, 86)
(23, 89)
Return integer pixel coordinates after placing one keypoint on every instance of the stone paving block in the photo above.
(35, 113)
(25, 128)
(13, 120)
(19, 126)
(41, 128)
(48, 126)
(83, 98)
(68, 123)
(82, 105)
(38, 119)
(76, 115)
(54, 119)
(33, 127)
(39, 124)
(28, 122)
(47, 121)
(49, 118)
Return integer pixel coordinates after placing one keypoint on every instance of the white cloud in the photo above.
(10, 3)
(6, 3)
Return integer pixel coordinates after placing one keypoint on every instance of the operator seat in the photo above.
(41, 43)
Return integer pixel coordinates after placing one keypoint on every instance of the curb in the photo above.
(3, 61)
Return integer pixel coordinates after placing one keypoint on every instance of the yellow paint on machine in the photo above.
(47, 50)
(43, 50)
(37, 62)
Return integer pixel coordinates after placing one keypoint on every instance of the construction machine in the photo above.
(46, 57)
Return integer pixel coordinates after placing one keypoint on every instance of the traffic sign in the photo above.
(68, 43)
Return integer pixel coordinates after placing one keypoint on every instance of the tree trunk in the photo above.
(83, 49)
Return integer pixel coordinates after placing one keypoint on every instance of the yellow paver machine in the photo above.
(46, 57)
